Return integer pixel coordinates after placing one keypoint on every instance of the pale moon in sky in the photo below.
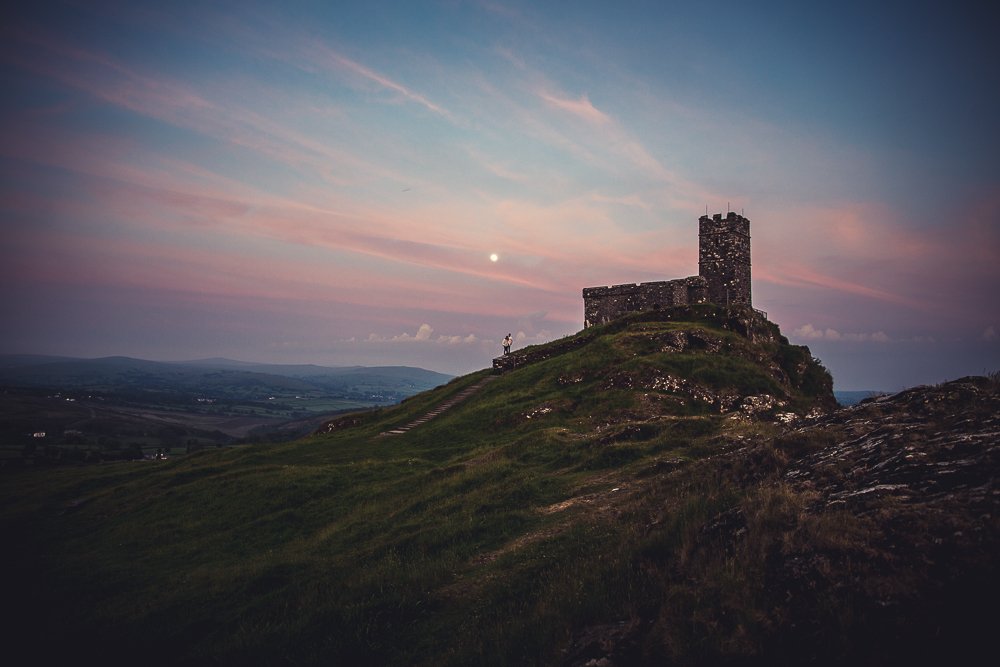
(494, 257)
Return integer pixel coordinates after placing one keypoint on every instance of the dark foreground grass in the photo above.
(562, 494)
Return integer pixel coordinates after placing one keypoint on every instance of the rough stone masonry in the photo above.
(723, 276)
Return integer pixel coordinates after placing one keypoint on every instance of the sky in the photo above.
(331, 182)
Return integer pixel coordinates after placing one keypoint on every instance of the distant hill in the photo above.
(856, 396)
(60, 409)
(673, 488)
(17, 360)
(218, 377)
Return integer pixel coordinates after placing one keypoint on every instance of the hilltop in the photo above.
(674, 487)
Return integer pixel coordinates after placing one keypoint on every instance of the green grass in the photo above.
(551, 498)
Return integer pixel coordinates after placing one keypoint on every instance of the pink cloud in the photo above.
(581, 108)
(103, 78)
(158, 198)
(314, 55)
(794, 274)
(612, 150)
(627, 200)
(170, 262)
(324, 56)
(197, 275)
(873, 251)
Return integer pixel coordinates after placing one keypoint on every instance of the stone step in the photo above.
(454, 400)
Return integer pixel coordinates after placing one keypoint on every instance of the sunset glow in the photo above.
(322, 185)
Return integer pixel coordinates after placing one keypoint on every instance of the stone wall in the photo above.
(603, 304)
(723, 276)
(724, 258)
(536, 353)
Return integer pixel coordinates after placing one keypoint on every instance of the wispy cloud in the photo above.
(581, 107)
(809, 332)
(875, 252)
(307, 164)
(425, 334)
(612, 140)
(798, 274)
(323, 56)
(208, 109)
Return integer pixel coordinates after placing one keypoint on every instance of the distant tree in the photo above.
(112, 444)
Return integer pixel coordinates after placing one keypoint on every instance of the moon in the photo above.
(494, 257)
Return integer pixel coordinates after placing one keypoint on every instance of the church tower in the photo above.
(724, 258)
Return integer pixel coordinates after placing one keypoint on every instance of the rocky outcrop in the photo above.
(873, 533)
(920, 446)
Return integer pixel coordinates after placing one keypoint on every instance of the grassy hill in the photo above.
(621, 495)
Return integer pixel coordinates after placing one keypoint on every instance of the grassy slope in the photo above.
(483, 536)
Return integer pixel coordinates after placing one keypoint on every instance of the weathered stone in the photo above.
(603, 304)
(536, 353)
(724, 258)
(877, 542)
(723, 268)
(347, 421)
(761, 403)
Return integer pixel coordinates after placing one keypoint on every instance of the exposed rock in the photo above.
(341, 423)
(879, 541)
(536, 353)
(696, 340)
(758, 405)
(922, 443)
(572, 378)
(545, 408)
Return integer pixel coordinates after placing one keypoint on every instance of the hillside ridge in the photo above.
(668, 489)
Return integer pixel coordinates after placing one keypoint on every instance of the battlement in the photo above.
(733, 223)
(723, 276)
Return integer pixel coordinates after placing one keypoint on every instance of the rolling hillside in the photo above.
(117, 407)
(672, 488)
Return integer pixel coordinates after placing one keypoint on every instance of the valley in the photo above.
(58, 410)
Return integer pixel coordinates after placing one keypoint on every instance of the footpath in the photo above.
(451, 402)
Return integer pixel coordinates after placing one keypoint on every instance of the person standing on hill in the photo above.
(507, 342)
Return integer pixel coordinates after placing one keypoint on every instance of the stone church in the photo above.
(723, 276)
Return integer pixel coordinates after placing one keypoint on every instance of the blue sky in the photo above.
(325, 182)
